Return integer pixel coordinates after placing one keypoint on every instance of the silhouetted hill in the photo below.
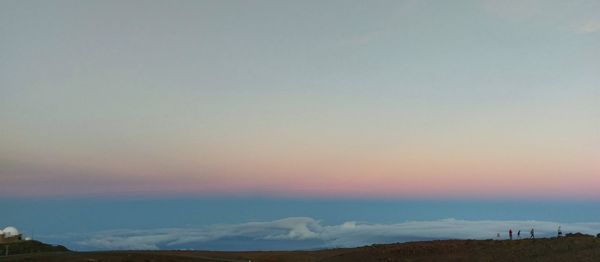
(26, 247)
(575, 247)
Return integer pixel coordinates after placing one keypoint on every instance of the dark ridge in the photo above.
(578, 235)
(28, 247)
(574, 247)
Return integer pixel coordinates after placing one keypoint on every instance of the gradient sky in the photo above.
(401, 99)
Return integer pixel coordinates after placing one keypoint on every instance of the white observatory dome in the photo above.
(10, 232)
(1, 232)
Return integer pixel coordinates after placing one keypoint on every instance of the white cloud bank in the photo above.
(348, 234)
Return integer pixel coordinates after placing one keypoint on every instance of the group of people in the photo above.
(531, 233)
(510, 234)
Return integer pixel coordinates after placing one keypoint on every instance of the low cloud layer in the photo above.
(305, 232)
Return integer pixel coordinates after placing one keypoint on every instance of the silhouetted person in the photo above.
(532, 233)
(559, 232)
(510, 234)
(519, 234)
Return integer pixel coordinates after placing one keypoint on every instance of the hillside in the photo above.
(27, 247)
(573, 248)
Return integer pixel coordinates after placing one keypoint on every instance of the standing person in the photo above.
(532, 233)
(559, 232)
(510, 234)
(519, 234)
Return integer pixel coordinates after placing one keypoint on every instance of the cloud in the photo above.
(295, 228)
(576, 16)
(302, 229)
(513, 10)
(590, 27)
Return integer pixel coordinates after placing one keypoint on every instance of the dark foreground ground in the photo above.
(574, 248)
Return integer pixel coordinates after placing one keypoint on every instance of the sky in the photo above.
(264, 100)
(401, 98)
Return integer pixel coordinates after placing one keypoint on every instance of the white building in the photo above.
(9, 235)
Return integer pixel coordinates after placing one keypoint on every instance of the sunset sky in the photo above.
(300, 98)
(335, 122)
